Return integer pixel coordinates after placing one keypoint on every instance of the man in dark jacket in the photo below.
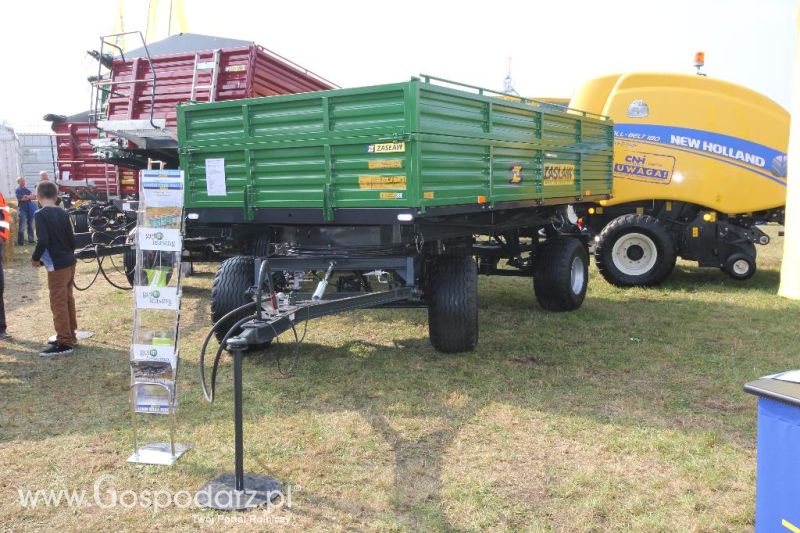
(25, 210)
(55, 250)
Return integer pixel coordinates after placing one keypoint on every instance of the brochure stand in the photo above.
(157, 307)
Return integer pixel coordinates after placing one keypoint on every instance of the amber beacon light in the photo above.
(699, 61)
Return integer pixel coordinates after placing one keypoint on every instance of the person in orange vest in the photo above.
(5, 230)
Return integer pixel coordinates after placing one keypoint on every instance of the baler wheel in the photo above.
(740, 266)
(635, 250)
(561, 274)
(453, 303)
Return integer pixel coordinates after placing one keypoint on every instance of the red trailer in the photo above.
(137, 93)
(79, 169)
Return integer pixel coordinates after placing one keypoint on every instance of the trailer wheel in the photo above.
(261, 246)
(229, 291)
(561, 274)
(453, 303)
(635, 250)
(80, 221)
(740, 266)
(129, 264)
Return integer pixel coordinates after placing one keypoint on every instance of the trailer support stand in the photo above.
(238, 492)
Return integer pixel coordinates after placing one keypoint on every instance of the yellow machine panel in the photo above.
(693, 139)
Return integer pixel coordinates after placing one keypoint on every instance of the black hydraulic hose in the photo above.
(205, 346)
(262, 268)
(75, 284)
(103, 271)
(220, 351)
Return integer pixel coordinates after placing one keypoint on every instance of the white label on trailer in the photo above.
(215, 177)
(205, 65)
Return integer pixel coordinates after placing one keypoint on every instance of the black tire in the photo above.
(561, 274)
(129, 264)
(453, 303)
(647, 260)
(229, 291)
(740, 266)
(80, 222)
(261, 247)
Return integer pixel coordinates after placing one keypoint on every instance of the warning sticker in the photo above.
(631, 164)
(428, 195)
(515, 174)
(236, 68)
(386, 148)
(559, 174)
(382, 182)
(391, 196)
(384, 163)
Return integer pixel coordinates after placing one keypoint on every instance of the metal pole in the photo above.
(132, 400)
(237, 417)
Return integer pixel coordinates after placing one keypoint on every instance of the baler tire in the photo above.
(733, 266)
(453, 303)
(80, 222)
(649, 230)
(229, 291)
(561, 274)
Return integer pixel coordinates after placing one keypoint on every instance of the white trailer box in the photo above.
(37, 153)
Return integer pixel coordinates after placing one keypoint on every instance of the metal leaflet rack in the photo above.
(157, 295)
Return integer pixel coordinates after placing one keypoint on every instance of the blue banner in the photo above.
(726, 147)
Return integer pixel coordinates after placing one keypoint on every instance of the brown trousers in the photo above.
(62, 304)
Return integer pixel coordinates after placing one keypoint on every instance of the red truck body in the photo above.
(77, 161)
(201, 68)
(147, 85)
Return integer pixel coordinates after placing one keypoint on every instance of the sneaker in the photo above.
(4, 335)
(55, 349)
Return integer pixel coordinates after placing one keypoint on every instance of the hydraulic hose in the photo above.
(210, 397)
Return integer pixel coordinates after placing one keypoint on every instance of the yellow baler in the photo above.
(698, 164)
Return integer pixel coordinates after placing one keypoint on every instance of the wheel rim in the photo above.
(740, 267)
(634, 254)
(577, 275)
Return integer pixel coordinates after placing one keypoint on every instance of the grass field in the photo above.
(625, 415)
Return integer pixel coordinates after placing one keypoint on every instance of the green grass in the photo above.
(625, 415)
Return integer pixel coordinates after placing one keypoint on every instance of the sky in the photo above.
(554, 46)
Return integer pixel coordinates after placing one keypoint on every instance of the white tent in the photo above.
(9, 160)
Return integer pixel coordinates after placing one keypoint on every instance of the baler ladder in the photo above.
(198, 66)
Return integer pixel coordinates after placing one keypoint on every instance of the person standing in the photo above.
(5, 230)
(43, 176)
(55, 247)
(25, 211)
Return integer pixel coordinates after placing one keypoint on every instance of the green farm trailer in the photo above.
(413, 187)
